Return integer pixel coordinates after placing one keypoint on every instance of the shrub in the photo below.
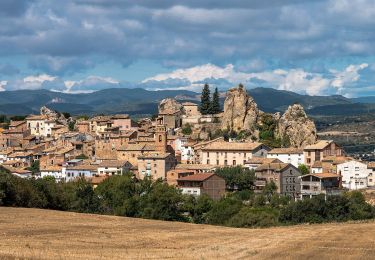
(254, 217)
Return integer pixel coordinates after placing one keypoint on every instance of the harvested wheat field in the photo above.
(43, 234)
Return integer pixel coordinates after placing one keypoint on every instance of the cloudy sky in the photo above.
(312, 47)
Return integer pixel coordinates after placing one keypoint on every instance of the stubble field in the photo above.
(43, 234)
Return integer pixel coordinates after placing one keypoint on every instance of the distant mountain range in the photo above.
(141, 101)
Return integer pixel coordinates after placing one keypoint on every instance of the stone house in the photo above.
(321, 150)
(156, 165)
(284, 175)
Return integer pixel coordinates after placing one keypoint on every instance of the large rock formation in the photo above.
(169, 106)
(295, 126)
(240, 111)
(53, 115)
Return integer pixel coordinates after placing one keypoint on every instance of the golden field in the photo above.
(44, 234)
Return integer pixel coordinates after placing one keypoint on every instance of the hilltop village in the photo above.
(185, 147)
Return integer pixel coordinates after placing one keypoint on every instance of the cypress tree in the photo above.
(215, 104)
(205, 100)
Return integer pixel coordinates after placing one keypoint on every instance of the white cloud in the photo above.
(90, 84)
(297, 80)
(349, 75)
(39, 79)
(3, 83)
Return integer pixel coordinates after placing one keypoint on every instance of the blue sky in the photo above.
(309, 47)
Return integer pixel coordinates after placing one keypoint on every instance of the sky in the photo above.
(314, 47)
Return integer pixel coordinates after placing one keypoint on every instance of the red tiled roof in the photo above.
(197, 177)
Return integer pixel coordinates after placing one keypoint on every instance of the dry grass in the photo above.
(43, 234)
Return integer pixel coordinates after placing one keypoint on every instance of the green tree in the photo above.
(205, 105)
(186, 130)
(270, 190)
(255, 217)
(223, 210)
(163, 202)
(34, 168)
(237, 178)
(303, 169)
(215, 104)
(71, 125)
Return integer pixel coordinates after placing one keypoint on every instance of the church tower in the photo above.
(160, 136)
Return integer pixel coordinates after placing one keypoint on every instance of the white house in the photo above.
(293, 156)
(53, 171)
(113, 167)
(79, 171)
(354, 174)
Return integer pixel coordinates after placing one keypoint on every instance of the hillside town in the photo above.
(184, 147)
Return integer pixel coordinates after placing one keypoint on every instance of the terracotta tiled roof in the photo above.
(272, 166)
(324, 175)
(195, 166)
(232, 146)
(89, 167)
(319, 145)
(112, 163)
(290, 150)
(262, 160)
(154, 156)
(197, 177)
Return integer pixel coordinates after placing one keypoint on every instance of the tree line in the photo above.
(124, 195)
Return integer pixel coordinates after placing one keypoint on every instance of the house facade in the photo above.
(294, 156)
(320, 183)
(354, 174)
(203, 183)
(321, 150)
(231, 153)
(284, 175)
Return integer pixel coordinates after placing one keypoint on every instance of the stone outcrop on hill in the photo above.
(169, 106)
(296, 127)
(53, 115)
(240, 111)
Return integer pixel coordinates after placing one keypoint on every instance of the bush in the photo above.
(187, 130)
(223, 210)
(254, 217)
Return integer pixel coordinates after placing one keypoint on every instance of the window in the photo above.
(225, 162)
(217, 162)
(234, 162)
(160, 138)
(356, 169)
(208, 161)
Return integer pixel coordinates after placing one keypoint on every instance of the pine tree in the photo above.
(205, 100)
(215, 104)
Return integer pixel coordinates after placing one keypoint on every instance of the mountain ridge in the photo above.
(142, 101)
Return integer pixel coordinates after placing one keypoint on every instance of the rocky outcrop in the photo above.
(295, 126)
(169, 106)
(53, 115)
(240, 111)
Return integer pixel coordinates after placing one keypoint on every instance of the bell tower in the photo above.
(160, 136)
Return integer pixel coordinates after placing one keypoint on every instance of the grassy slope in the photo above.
(34, 233)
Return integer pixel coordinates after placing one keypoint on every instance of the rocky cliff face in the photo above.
(240, 111)
(169, 106)
(53, 115)
(297, 127)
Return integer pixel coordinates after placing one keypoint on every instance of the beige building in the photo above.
(321, 150)
(231, 153)
(155, 165)
(191, 109)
